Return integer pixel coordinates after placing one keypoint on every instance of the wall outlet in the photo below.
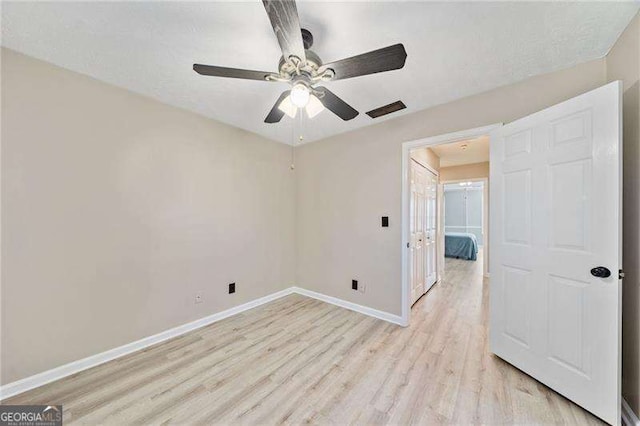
(354, 284)
(362, 287)
(232, 288)
(198, 298)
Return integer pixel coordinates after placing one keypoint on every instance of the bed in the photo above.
(460, 245)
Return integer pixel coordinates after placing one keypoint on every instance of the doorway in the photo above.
(453, 165)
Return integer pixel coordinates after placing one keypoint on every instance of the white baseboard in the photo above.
(629, 418)
(57, 373)
(386, 316)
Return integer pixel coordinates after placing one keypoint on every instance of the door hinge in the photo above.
(620, 274)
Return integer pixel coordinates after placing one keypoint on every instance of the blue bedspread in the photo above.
(460, 245)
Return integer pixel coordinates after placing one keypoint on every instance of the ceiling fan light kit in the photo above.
(314, 107)
(299, 95)
(303, 69)
(288, 107)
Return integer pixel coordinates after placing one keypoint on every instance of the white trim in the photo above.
(57, 373)
(629, 418)
(385, 316)
(40, 379)
(404, 220)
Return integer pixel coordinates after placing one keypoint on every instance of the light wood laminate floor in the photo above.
(298, 360)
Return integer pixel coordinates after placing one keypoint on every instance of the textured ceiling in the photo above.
(454, 50)
(463, 152)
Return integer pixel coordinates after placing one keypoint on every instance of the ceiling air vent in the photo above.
(387, 109)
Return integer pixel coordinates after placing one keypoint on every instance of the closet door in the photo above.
(423, 229)
(417, 229)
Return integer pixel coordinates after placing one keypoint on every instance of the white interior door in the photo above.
(417, 230)
(555, 215)
(423, 230)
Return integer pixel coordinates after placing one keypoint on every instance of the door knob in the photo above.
(600, 272)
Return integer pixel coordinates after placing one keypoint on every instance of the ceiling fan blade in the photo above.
(275, 115)
(336, 105)
(230, 72)
(385, 59)
(283, 15)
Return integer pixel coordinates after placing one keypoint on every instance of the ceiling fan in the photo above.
(304, 70)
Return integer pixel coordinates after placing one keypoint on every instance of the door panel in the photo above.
(517, 212)
(569, 187)
(516, 306)
(423, 230)
(417, 231)
(556, 203)
(567, 310)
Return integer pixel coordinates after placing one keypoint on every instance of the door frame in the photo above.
(485, 218)
(405, 178)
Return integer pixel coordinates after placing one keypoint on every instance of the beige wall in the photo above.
(623, 63)
(117, 210)
(426, 157)
(346, 182)
(465, 171)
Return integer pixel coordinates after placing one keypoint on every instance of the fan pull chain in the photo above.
(297, 133)
(301, 125)
(293, 142)
(292, 166)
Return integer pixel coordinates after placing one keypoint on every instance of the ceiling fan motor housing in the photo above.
(307, 38)
(311, 66)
